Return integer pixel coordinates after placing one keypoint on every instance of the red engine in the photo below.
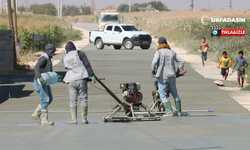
(130, 92)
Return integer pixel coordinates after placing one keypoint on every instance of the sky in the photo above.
(172, 4)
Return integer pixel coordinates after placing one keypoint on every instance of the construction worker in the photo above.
(78, 72)
(164, 63)
(43, 65)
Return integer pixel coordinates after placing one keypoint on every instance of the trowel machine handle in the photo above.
(90, 80)
(178, 74)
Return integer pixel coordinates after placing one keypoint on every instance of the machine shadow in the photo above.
(10, 90)
(202, 148)
(13, 91)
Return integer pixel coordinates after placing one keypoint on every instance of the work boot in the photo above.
(84, 113)
(44, 115)
(73, 115)
(36, 115)
(169, 109)
(178, 107)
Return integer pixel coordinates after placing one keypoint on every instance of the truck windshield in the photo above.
(109, 18)
(130, 28)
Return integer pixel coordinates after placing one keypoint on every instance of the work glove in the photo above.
(60, 78)
(153, 73)
(93, 79)
(42, 81)
(177, 73)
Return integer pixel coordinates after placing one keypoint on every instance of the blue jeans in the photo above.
(44, 93)
(203, 57)
(165, 85)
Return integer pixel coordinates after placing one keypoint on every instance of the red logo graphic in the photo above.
(233, 32)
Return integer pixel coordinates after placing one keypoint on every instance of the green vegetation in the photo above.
(158, 5)
(58, 30)
(72, 10)
(46, 9)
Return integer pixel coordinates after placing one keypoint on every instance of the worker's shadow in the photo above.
(13, 91)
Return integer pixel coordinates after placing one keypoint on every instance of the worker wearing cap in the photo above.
(43, 65)
(164, 64)
(78, 71)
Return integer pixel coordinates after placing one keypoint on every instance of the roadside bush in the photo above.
(58, 30)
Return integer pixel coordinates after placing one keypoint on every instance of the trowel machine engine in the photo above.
(131, 104)
(130, 92)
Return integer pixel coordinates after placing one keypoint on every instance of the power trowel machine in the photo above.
(131, 105)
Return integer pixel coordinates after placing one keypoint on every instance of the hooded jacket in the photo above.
(44, 63)
(77, 70)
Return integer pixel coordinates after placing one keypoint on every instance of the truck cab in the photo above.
(108, 18)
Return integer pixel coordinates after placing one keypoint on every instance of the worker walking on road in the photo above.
(164, 62)
(43, 65)
(78, 71)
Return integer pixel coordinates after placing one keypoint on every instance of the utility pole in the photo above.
(92, 7)
(230, 4)
(1, 6)
(61, 8)
(10, 14)
(58, 8)
(15, 31)
(15, 20)
(130, 5)
(11, 27)
(27, 4)
(16, 6)
(192, 5)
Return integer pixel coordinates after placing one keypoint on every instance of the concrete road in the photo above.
(226, 128)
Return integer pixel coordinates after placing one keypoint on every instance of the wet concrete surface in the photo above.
(226, 128)
(198, 131)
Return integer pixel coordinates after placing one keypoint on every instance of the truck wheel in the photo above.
(145, 46)
(128, 44)
(99, 44)
(117, 46)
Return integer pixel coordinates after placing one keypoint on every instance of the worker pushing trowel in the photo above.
(79, 71)
(164, 64)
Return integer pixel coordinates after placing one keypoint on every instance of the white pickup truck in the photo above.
(120, 35)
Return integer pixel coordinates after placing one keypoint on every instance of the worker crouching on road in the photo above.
(43, 65)
(164, 62)
(78, 72)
